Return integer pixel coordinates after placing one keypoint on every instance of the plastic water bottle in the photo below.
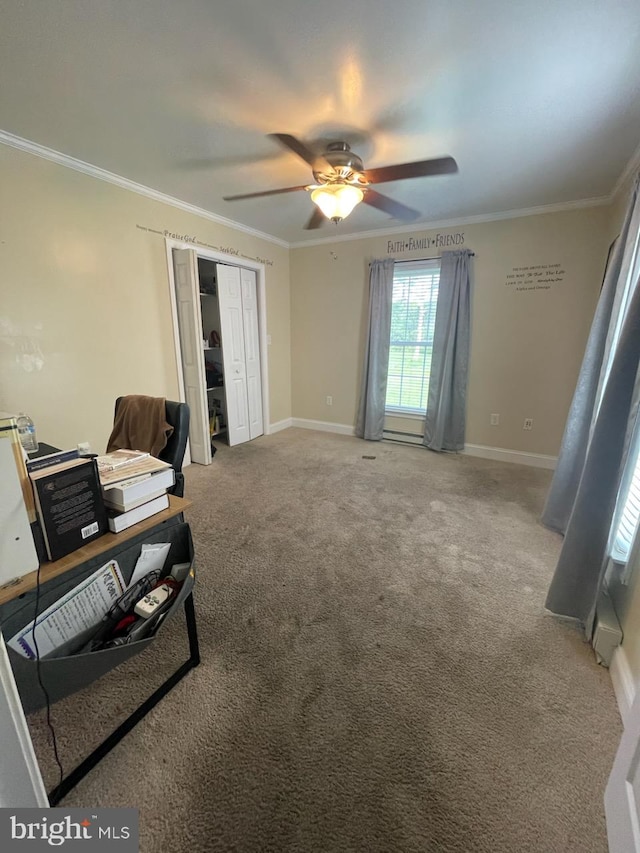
(27, 432)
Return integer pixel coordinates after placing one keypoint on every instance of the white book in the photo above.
(146, 465)
(120, 507)
(128, 494)
(118, 458)
(120, 521)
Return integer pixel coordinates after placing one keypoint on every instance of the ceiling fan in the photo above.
(342, 182)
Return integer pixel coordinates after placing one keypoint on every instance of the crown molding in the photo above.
(559, 207)
(126, 184)
(61, 159)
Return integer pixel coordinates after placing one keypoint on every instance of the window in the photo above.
(413, 318)
(626, 518)
(627, 513)
(619, 308)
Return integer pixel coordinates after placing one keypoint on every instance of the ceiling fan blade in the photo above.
(388, 205)
(317, 219)
(316, 161)
(263, 193)
(419, 169)
(296, 146)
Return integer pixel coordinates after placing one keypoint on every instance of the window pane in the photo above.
(413, 313)
(393, 391)
(628, 511)
(395, 359)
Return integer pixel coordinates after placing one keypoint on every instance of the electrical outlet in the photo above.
(268, 340)
(495, 420)
(329, 401)
(528, 423)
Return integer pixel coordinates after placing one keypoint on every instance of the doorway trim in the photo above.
(261, 292)
(21, 783)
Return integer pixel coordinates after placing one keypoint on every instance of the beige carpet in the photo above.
(378, 672)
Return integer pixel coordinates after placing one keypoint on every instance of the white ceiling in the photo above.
(537, 100)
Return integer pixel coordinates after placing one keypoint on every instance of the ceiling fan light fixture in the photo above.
(336, 201)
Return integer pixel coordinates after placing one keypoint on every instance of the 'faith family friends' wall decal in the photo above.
(538, 277)
(191, 238)
(431, 241)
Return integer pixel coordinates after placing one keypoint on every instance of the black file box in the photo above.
(64, 675)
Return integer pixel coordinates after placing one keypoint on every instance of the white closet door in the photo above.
(233, 356)
(185, 263)
(252, 351)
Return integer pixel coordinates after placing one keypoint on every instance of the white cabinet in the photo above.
(218, 304)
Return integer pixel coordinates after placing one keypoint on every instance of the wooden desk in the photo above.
(98, 546)
(104, 545)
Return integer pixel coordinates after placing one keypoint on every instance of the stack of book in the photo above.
(134, 486)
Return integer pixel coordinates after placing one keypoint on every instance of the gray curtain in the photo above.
(579, 573)
(579, 425)
(370, 422)
(444, 425)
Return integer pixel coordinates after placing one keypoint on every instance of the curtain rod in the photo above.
(417, 260)
(434, 258)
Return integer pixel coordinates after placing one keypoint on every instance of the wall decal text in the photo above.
(191, 238)
(535, 277)
(433, 241)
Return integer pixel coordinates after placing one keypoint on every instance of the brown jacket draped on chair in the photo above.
(140, 424)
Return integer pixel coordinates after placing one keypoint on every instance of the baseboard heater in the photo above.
(607, 635)
(403, 437)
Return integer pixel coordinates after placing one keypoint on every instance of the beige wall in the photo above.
(526, 345)
(88, 289)
(85, 305)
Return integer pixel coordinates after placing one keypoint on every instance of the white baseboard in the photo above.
(520, 457)
(323, 426)
(279, 425)
(622, 679)
(499, 454)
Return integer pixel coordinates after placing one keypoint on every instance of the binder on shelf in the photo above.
(18, 555)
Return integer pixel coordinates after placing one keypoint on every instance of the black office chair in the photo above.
(178, 416)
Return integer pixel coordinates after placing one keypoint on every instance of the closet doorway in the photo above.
(219, 317)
